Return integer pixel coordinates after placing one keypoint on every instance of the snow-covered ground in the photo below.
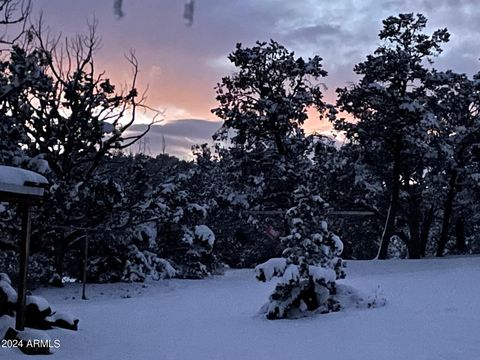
(433, 313)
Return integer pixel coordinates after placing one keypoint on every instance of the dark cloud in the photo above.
(316, 32)
(177, 136)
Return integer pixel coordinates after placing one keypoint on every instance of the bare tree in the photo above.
(76, 123)
(13, 14)
(84, 100)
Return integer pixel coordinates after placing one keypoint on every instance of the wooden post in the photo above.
(85, 262)
(22, 281)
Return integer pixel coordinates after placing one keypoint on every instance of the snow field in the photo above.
(432, 313)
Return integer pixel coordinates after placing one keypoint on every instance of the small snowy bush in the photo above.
(310, 263)
(143, 265)
(198, 261)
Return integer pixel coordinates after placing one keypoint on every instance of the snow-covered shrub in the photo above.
(397, 248)
(64, 320)
(41, 268)
(198, 261)
(183, 237)
(310, 263)
(349, 297)
(36, 312)
(107, 268)
(143, 265)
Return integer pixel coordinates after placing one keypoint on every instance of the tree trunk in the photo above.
(279, 142)
(413, 219)
(447, 213)
(413, 244)
(425, 232)
(413, 249)
(389, 228)
(460, 235)
(61, 248)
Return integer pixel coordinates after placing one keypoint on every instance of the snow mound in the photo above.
(8, 291)
(6, 322)
(41, 303)
(349, 297)
(5, 277)
(64, 320)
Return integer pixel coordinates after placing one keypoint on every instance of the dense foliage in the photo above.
(405, 181)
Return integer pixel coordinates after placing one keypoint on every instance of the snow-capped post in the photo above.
(24, 188)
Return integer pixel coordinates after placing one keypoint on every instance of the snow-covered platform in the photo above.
(17, 184)
(432, 313)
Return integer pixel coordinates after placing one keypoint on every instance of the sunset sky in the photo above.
(182, 64)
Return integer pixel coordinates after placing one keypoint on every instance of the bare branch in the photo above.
(13, 14)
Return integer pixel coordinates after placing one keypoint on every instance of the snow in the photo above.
(297, 221)
(33, 334)
(7, 289)
(197, 207)
(5, 323)
(320, 273)
(168, 270)
(376, 86)
(324, 225)
(12, 180)
(432, 313)
(16, 176)
(146, 265)
(41, 303)
(271, 268)
(238, 199)
(36, 163)
(150, 231)
(5, 277)
(338, 244)
(203, 233)
(291, 274)
(412, 107)
(63, 316)
(168, 188)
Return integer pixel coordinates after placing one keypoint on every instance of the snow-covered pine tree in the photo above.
(310, 263)
(393, 127)
(455, 102)
(264, 105)
(183, 236)
(347, 185)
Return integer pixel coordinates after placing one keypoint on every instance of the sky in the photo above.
(181, 64)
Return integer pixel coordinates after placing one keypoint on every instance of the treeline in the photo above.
(401, 179)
